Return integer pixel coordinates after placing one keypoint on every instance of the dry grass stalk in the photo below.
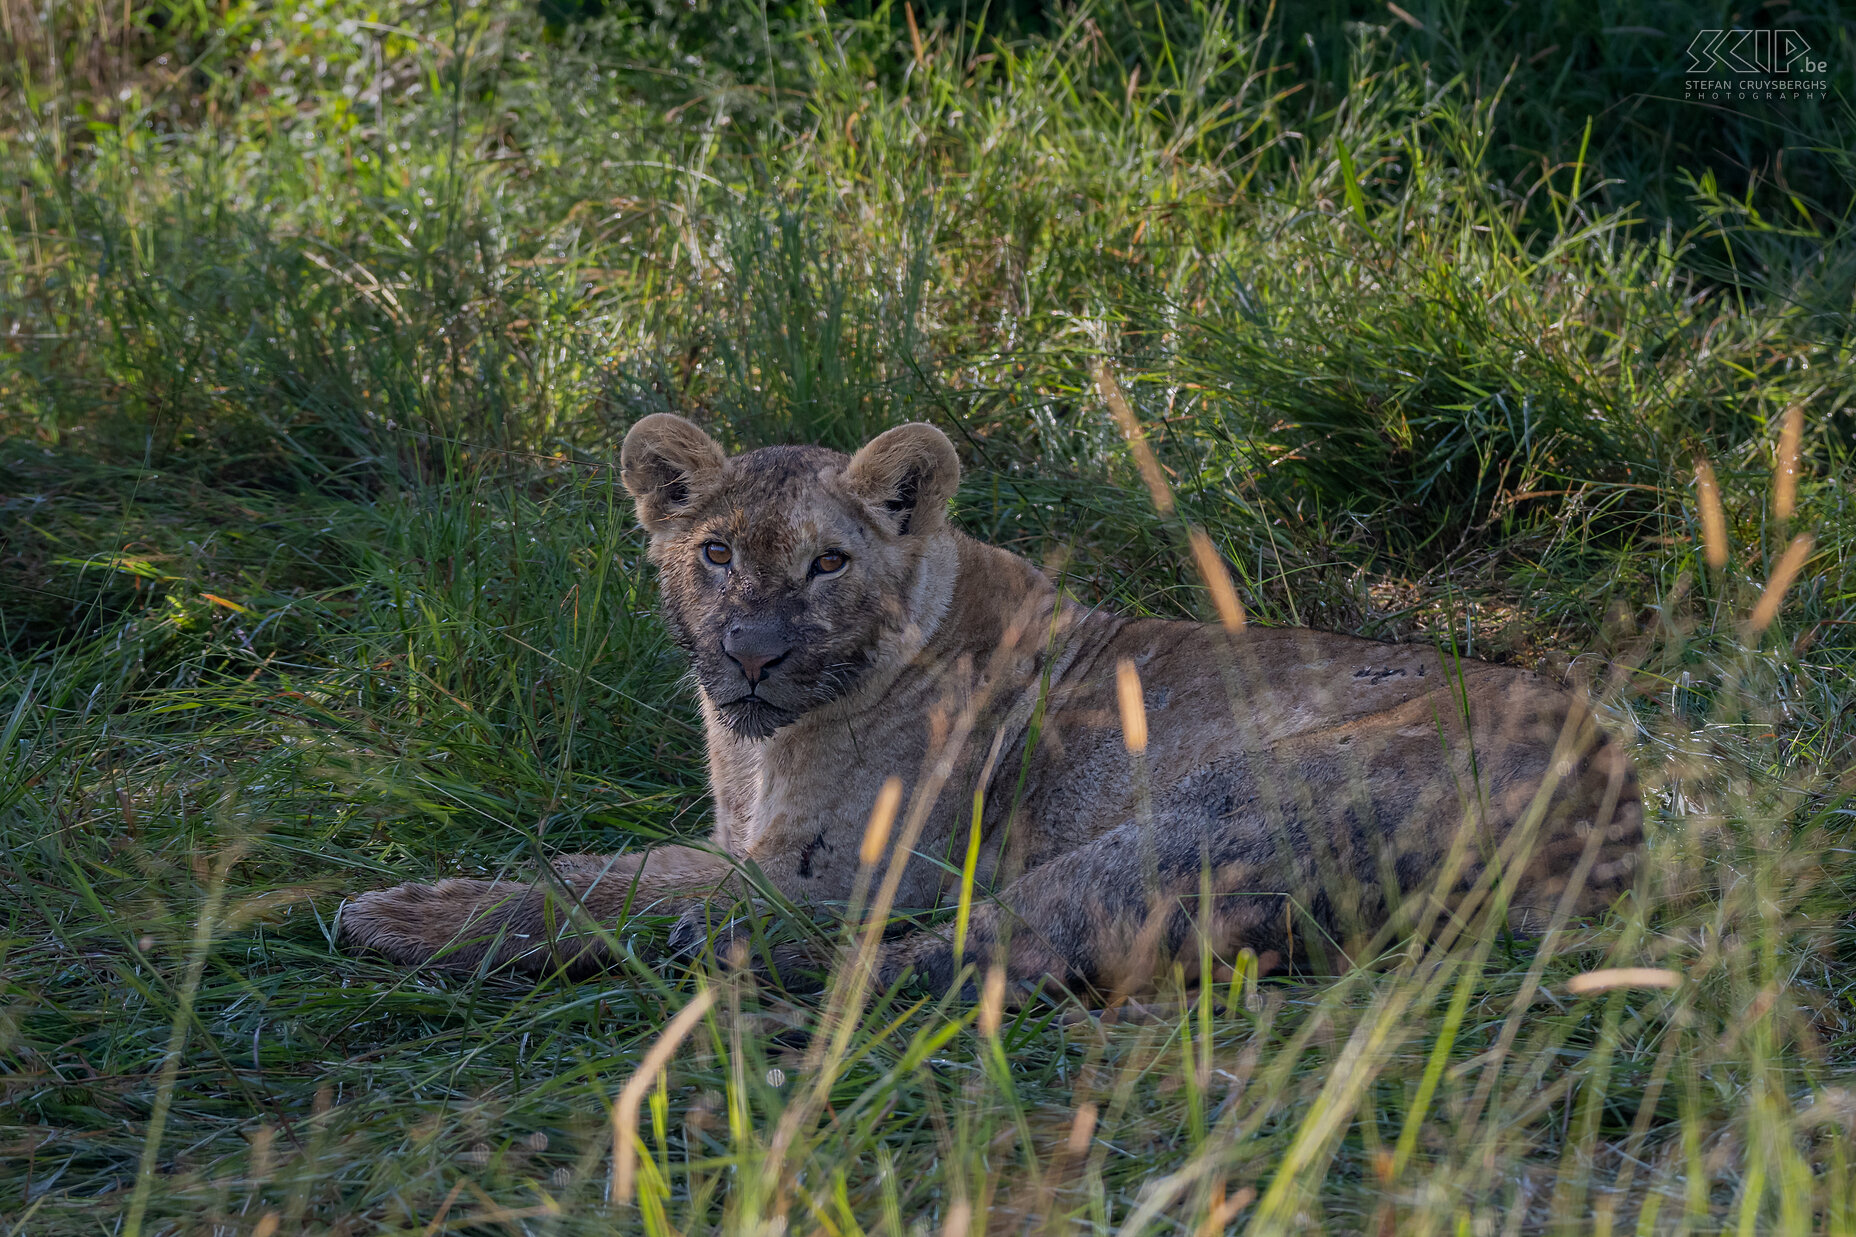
(915, 31)
(625, 1110)
(1217, 581)
(1130, 427)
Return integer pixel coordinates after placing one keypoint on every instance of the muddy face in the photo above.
(786, 571)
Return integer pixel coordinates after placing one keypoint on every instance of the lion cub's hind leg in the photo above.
(1090, 919)
(1589, 853)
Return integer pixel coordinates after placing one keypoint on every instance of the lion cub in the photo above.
(1326, 791)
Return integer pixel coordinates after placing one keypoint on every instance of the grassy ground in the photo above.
(318, 328)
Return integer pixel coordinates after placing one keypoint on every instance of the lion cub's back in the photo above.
(1351, 743)
(1203, 690)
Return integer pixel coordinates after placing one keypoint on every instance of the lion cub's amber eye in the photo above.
(830, 562)
(718, 554)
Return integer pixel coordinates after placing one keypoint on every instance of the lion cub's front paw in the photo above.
(452, 924)
(799, 966)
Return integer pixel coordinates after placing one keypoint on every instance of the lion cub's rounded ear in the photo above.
(907, 474)
(665, 462)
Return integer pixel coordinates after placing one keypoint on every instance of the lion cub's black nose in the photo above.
(756, 647)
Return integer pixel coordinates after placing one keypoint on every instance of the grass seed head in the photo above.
(1622, 977)
(882, 818)
(992, 1002)
(1082, 1128)
(1784, 572)
(1785, 468)
(1133, 710)
(1713, 518)
(1217, 582)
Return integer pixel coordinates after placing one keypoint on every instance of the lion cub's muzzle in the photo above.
(756, 647)
(749, 699)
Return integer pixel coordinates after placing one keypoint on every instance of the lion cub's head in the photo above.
(789, 573)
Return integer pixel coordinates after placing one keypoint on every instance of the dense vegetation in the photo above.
(1450, 321)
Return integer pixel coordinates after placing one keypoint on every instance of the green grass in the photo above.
(318, 331)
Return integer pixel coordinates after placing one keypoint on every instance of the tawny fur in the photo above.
(1329, 791)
